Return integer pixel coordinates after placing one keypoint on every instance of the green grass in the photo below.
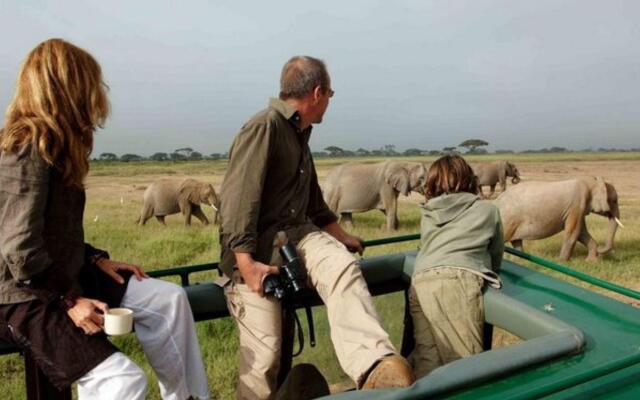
(156, 247)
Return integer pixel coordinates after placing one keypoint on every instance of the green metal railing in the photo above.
(536, 260)
(184, 272)
(575, 274)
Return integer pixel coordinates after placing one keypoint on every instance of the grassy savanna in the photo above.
(114, 192)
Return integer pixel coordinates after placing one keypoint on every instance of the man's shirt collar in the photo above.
(290, 114)
(285, 109)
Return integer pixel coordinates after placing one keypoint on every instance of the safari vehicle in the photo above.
(575, 343)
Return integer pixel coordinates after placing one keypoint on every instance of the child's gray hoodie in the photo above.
(460, 230)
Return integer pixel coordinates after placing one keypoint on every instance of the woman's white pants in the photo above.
(164, 325)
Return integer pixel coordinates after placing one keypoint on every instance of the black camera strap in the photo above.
(312, 333)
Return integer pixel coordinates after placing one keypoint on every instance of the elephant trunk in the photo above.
(516, 179)
(614, 220)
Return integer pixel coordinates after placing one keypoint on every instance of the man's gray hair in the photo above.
(300, 75)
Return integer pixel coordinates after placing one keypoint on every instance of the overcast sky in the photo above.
(425, 74)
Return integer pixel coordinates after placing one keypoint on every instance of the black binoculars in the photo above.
(292, 277)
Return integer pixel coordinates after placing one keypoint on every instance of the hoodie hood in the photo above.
(445, 208)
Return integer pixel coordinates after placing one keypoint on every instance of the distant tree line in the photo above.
(182, 154)
(470, 146)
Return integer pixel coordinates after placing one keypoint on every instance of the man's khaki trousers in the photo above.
(447, 309)
(356, 333)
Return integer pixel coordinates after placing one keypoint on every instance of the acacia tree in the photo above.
(334, 151)
(130, 157)
(159, 157)
(472, 144)
(175, 156)
(412, 152)
(449, 150)
(108, 157)
(185, 151)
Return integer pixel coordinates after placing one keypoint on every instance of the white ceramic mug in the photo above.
(118, 321)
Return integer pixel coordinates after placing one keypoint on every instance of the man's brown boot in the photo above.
(392, 371)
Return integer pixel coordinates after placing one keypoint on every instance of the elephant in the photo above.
(170, 196)
(490, 173)
(536, 210)
(355, 187)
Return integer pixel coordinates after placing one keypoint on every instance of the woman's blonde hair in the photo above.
(60, 100)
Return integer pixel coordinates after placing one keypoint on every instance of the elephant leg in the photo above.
(517, 244)
(198, 213)
(572, 228)
(185, 208)
(160, 219)
(392, 215)
(384, 224)
(493, 190)
(591, 245)
(347, 220)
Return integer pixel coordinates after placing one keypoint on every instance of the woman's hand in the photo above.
(111, 268)
(86, 316)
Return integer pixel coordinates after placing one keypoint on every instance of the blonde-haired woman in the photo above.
(54, 288)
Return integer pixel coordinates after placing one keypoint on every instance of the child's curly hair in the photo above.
(450, 174)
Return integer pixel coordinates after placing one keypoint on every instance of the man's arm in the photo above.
(241, 193)
(354, 243)
(317, 210)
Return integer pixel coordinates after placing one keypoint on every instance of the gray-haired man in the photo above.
(271, 185)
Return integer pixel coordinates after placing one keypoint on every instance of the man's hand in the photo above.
(354, 243)
(253, 272)
(111, 268)
(85, 315)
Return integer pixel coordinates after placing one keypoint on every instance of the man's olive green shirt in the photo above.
(270, 185)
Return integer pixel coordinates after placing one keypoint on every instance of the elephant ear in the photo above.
(398, 178)
(599, 196)
(190, 190)
(416, 176)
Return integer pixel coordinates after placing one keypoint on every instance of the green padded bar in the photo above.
(383, 274)
(207, 301)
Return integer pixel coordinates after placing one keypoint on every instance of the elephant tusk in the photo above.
(214, 207)
(618, 222)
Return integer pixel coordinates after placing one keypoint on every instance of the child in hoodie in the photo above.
(461, 250)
